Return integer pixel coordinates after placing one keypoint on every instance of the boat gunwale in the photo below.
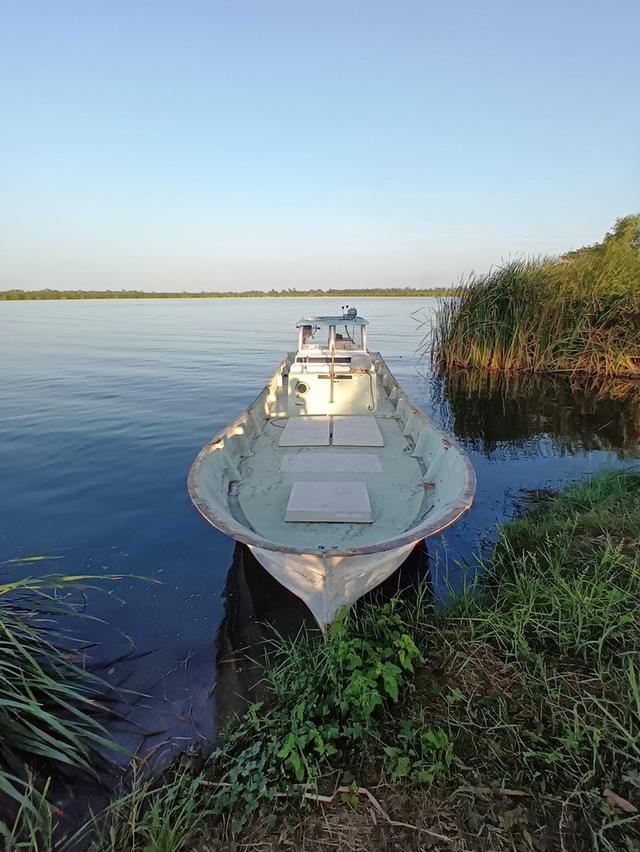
(425, 530)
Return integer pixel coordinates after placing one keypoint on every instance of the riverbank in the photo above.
(497, 724)
(577, 314)
(508, 721)
(393, 292)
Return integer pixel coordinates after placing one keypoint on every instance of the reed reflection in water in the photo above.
(491, 411)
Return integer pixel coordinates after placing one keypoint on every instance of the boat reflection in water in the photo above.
(255, 605)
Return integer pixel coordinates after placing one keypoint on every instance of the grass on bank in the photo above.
(579, 313)
(509, 721)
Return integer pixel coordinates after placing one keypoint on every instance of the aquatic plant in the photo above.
(49, 704)
(578, 314)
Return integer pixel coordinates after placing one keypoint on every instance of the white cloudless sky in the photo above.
(261, 143)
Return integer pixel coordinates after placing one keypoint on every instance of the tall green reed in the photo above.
(578, 314)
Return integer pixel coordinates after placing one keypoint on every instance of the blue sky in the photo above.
(231, 145)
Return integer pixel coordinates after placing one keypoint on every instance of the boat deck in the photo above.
(328, 473)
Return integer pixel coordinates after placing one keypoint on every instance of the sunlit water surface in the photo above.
(103, 406)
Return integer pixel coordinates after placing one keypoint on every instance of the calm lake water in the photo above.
(103, 407)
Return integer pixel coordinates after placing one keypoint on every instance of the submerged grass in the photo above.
(508, 721)
(579, 313)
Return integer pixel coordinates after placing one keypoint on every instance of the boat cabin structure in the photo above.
(332, 372)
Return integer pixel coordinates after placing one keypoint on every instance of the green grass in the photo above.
(549, 656)
(331, 711)
(497, 723)
(577, 314)
(150, 818)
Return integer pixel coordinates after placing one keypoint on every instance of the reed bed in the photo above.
(577, 314)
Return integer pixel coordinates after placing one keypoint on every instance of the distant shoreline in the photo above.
(61, 295)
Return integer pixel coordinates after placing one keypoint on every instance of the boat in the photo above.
(332, 475)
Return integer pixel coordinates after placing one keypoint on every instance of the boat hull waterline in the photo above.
(416, 482)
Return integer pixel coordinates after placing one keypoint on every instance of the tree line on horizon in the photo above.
(25, 295)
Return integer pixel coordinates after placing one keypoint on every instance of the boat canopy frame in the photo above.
(326, 321)
(332, 323)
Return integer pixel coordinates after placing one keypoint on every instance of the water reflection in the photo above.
(253, 601)
(493, 412)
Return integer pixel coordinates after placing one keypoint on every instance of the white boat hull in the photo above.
(331, 479)
(328, 583)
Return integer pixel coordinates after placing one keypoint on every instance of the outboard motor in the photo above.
(351, 313)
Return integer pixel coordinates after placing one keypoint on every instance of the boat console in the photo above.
(332, 371)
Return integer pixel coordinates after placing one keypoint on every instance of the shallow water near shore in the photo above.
(104, 405)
